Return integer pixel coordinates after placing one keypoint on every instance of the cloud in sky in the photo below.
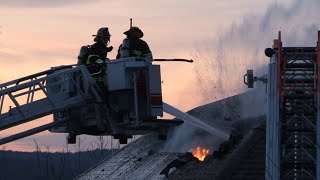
(36, 3)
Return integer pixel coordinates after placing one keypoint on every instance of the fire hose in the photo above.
(184, 60)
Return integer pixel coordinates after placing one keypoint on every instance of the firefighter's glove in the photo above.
(109, 48)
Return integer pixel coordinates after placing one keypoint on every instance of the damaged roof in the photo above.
(137, 160)
(245, 160)
(145, 157)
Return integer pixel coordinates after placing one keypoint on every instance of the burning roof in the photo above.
(150, 158)
(243, 161)
(200, 153)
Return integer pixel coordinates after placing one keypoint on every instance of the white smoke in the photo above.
(220, 65)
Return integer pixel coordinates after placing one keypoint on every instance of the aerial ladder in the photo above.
(30, 97)
(293, 114)
(131, 104)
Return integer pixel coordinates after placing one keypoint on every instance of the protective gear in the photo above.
(134, 32)
(125, 48)
(103, 32)
(96, 69)
(86, 50)
(137, 48)
(83, 55)
(109, 49)
(102, 35)
(133, 46)
(93, 58)
(97, 55)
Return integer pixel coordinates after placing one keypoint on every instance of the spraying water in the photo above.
(221, 63)
(194, 121)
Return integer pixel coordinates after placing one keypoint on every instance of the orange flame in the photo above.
(200, 153)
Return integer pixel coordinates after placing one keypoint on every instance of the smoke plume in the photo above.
(220, 67)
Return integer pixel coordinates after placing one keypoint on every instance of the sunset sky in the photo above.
(38, 34)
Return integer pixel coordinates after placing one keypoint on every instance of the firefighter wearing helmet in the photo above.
(95, 55)
(99, 50)
(133, 45)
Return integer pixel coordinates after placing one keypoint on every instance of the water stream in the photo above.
(194, 121)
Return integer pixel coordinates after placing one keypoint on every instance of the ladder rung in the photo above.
(299, 49)
(300, 65)
(298, 96)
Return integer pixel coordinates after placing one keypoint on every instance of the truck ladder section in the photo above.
(298, 118)
(44, 93)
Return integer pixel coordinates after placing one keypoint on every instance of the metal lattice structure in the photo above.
(31, 98)
(293, 112)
